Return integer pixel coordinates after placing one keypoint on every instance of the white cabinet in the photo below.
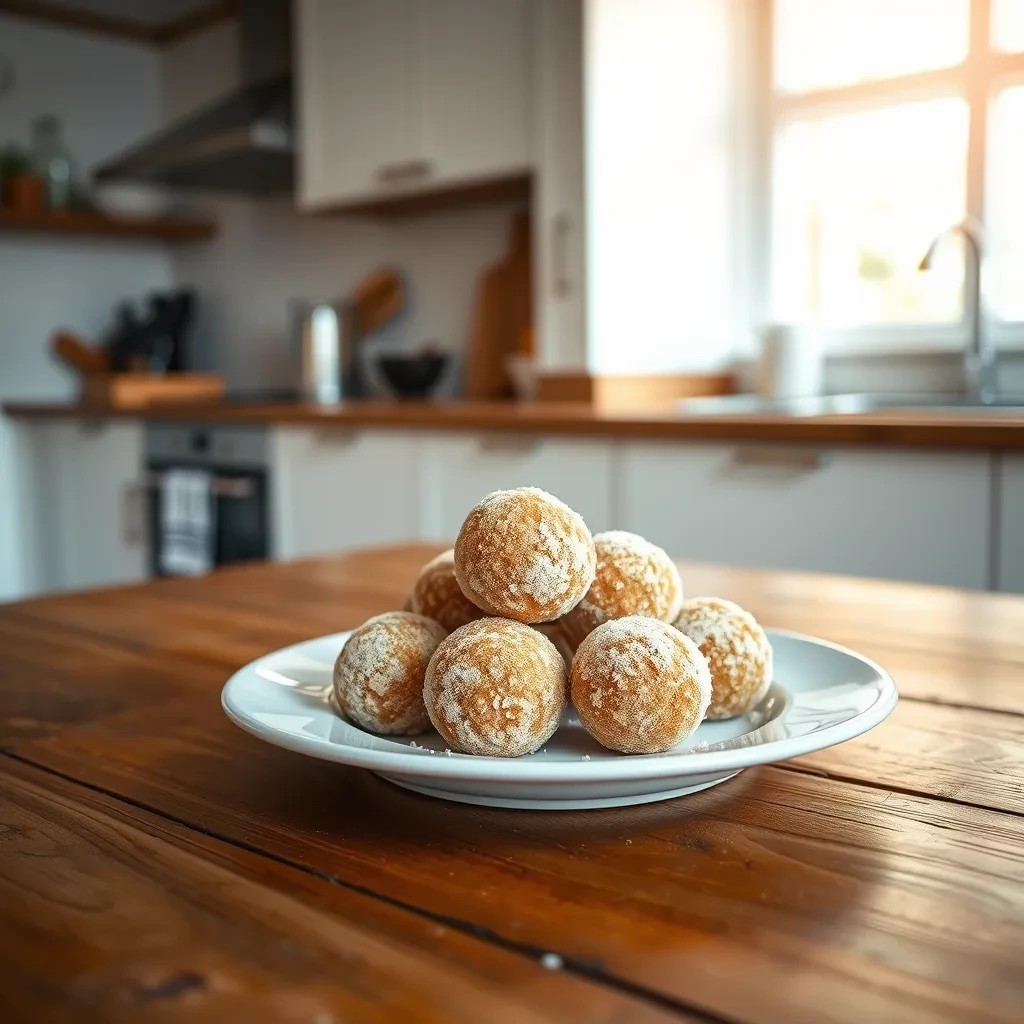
(1010, 521)
(900, 515)
(463, 468)
(334, 489)
(558, 240)
(473, 88)
(401, 96)
(88, 526)
(355, 75)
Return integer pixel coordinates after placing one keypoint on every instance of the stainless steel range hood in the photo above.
(240, 143)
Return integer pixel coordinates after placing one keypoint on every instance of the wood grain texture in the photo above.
(113, 914)
(618, 391)
(102, 225)
(881, 879)
(967, 755)
(776, 896)
(502, 311)
(940, 644)
(911, 429)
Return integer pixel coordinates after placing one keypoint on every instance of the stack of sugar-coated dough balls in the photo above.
(528, 611)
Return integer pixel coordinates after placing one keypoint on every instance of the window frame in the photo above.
(978, 79)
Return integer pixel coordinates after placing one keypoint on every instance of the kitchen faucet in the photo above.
(980, 379)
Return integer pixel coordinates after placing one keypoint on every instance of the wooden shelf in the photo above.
(85, 222)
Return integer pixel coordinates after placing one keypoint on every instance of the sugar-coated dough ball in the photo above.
(437, 594)
(639, 685)
(553, 631)
(633, 577)
(738, 652)
(378, 677)
(525, 555)
(495, 687)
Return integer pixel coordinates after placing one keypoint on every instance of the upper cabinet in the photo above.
(558, 239)
(398, 97)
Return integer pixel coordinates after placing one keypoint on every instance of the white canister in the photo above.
(791, 364)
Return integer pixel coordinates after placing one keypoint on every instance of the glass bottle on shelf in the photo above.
(52, 161)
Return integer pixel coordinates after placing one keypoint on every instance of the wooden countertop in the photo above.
(917, 428)
(156, 863)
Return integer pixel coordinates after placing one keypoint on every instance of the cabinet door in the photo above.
(91, 526)
(1011, 524)
(464, 469)
(333, 489)
(473, 60)
(558, 188)
(910, 516)
(358, 120)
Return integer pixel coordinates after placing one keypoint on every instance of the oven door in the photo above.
(240, 522)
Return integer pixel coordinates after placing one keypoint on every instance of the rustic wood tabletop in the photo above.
(156, 863)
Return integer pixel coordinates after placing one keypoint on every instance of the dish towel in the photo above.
(186, 523)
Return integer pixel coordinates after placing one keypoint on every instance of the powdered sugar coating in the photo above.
(633, 577)
(378, 676)
(525, 555)
(738, 652)
(639, 685)
(495, 687)
(437, 594)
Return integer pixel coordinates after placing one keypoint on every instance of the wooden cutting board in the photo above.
(138, 390)
(502, 316)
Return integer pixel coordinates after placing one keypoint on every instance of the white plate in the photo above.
(823, 694)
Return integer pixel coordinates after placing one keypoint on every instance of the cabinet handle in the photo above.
(133, 513)
(561, 225)
(405, 171)
(776, 460)
(334, 436)
(509, 444)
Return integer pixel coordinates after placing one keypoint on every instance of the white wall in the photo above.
(267, 254)
(107, 95)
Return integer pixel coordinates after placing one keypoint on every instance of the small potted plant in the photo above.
(23, 190)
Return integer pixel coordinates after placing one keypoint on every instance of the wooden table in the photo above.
(157, 864)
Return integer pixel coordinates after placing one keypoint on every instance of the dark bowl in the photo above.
(412, 376)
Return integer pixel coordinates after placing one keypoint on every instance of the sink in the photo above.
(850, 404)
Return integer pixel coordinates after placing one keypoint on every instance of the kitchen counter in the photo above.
(917, 428)
(158, 862)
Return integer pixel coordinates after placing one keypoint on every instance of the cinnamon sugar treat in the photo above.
(378, 677)
(738, 653)
(495, 687)
(634, 577)
(639, 685)
(525, 555)
(554, 632)
(437, 594)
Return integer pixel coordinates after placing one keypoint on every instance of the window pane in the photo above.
(1008, 24)
(858, 198)
(1005, 218)
(824, 43)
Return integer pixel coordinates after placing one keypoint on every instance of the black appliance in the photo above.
(236, 460)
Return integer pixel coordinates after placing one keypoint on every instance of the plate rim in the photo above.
(418, 761)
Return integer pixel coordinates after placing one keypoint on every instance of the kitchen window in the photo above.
(888, 121)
